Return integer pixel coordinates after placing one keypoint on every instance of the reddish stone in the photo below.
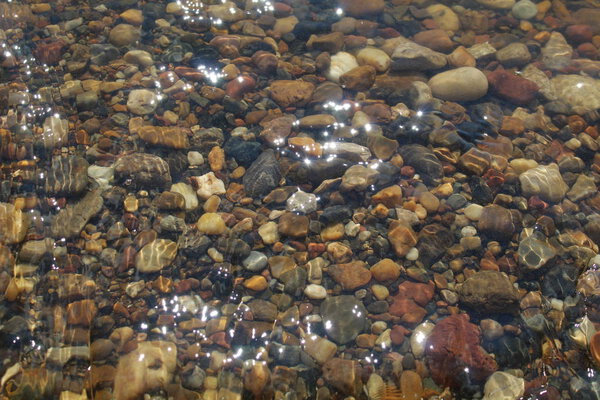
(265, 62)
(421, 293)
(388, 33)
(452, 347)
(239, 86)
(408, 311)
(435, 39)
(587, 50)
(398, 334)
(512, 87)
(50, 51)
(351, 275)
(579, 33)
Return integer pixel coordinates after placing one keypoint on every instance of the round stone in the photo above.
(142, 101)
(460, 84)
(524, 9)
(344, 318)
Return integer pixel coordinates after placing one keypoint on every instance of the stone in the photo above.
(514, 55)
(256, 261)
(263, 175)
(581, 93)
(139, 57)
(132, 16)
(391, 196)
(497, 4)
(385, 270)
(302, 202)
(330, 42)
(226, 11)
(454, 344)
(489, 292)
(374, 57)
(319, 348)
(445, 18)
(402, 238)
(208, 185)
(557, 53)
(13, 224)
(409, 56)
(512, 87)
(360, 78)
(67, 176)
(56, 133)
(288, 93)
(315, 292)
(342, 375)
(344, 317)
(350, 275)
(340, 63)
(81, 312)
(382, 147)
(503, 386)
(584, 187)
(424, 161)
(155, 255)
(293, 225)
(544, 181)
(496, 222)
(124, 35)
(460, 84)
(149, 367)
(172, 137)
(142, 170)
(71, 220)
(524, 9)
(211, 224)
(189, 195)
(534, 252)
(268, 233)
(361, 9)
(358, 178)
(142, 101)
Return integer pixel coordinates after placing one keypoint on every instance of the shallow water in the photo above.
(299, 199)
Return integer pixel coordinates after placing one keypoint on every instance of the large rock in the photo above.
(142, 170)
(489, 292)
(460, 84)
(544, 181)
(424, 161)
(147, 368)
(344, 318)
(288, 93)
(263, 175)
(70, 221)
(580, 92)
(155, 255)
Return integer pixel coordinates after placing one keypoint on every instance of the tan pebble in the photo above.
(133, 16)
(238, 173)
(216, 159)
(130, 203)
(332, 232)
(215, 255)
(385, 270)
(40, 8)
(391, 196)
(211, 224)
(212, 204)
(444, 190)
(258, 283)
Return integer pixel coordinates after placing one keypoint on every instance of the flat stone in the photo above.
(293, 225)
(544, 181)
(503, 386)
(288, 93)
(263, 175)
(557, 53)
(155, 255)
(13, 224)
(534, 252)
(142, 170)
(71, 220)
(350, 275)
(409, 56)
(489, 292)
(142, 101)
(581, 93)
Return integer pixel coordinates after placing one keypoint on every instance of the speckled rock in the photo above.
(489, 292)
(142, 170)
(544, 181)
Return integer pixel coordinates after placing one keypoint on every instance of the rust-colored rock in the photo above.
(360, 78)
(291, 93)
(511, 87)
(351, 275)
(454, 344)
(173, 137)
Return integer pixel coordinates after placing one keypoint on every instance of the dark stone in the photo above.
(423, 161)
(263, 175)
(235, 249)
(560, 281)
(433, 241)
(489, 292)
(244, 152)
(142, 170)
(344, 318)
(334, 214)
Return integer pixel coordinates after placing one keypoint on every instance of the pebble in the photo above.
(211, 224)
(544, 181)
(534, 253)
(374, 57)
(315, 292)
(340, 63)
(489, 292)
(302, 202)
(155, 255)
(209, 185)
(142, 101)
(409, 56)
(460, 84)
(524, 9)
(344, 317)
(255, 261)
(503, 386)
(124, 35)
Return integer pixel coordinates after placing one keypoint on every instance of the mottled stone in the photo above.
(124, 35)
(358, 178)
(302, 202)
(71, 220)
(142, 101)
(503, 386)
(402, 239)
(291, 93)
(424, 161)
(351, 275)
(293, 225)
(496, 222)
(581, 93)
(409, 56)
(263, 175)
(489, 292)
(460, 84)
(155, 255)
(557, 53)
(172, 137)
(142, 170)
(13, 225)
(544, 181)
(67, 176)
(535, 252)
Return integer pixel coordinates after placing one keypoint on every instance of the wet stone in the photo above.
(263, 175)
(544, 181)
(142, 101)
(534, 253)
(409, 56)
(489, 292)
(351, 275)
(155, 255)
(460, 84)
(142, 170)
(302, 202)
(423, 161)
(346, 316)
(496, 222)
(67, 176)
(293, 225)
(71, 220)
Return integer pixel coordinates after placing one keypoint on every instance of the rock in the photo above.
(256, 261)
(315, 292)
(357, 8)
(172, 137)
(81, 312)
(434, 39)
(188, 193)
(351, 275)
(293, 225)
(454, 344)
(142, 170)
(268, 233)
(584, 187)
(86, 101)
(139, 57)
(277, 130)
(56, 133)
(71, 220)
(358, 178)
(581, 93)
(330, 42)
(512, 87)
(544, 181)
(496, 222)
(209, 185)
(67, 176)
(524, 9)
(341, 62)
(391, 196)
(514, 55)
(263, 175)
(497, 4)
(360, 78)
(155, 255)
(409, 56)
(557, 53)
(142, 101)
(320, 349)
(211, 224)
(534, 252)
(445, 18)
(374, 57)
(383, 148)
(344, 318)
(423, 161)
(147, 368)
(460, 84)
(489, 292)
(342, 375)
(226, 11)
(402, 238)
(13, 225)
(302, 202)
(124, 35)
(132, 16)
(503, 386)
(291, 93)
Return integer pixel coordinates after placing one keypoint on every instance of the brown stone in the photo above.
(81, 312)
(172, 137)
(511, 87)
(330, 42)
(360, 78)
(386, 270)
(402, 238)
(342, 375)
(361, 8)
(435, 39)
(391, 196)
(351, 275)
(293, 225)
(496, 222)
(291, 93)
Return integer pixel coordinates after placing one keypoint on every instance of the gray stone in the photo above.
(302, 202)
(423, 161)
(524, 9)
(409, 56)
(581, 93)
(263, 175)
(344, 318)
(535, 252)
(256, 261)
(557, 53)
(584, 186)
(544, 181)
(514, 55)
(71, 220)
